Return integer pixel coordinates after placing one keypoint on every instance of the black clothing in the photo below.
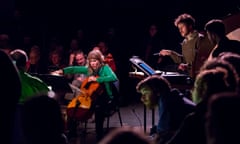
(227, 45)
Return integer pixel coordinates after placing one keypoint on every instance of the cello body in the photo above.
(80, 107)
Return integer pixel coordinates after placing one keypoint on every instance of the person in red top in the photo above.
(108, 57)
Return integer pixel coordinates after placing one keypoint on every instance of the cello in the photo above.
(80, 107)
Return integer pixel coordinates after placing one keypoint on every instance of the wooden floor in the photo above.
(132, 116)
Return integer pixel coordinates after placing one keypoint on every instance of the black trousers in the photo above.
(101, 108)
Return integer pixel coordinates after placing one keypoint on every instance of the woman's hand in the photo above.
(57, 72)
(92, 78)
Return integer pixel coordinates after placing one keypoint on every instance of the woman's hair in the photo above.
(95, 54)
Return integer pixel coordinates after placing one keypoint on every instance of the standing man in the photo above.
(195, 46)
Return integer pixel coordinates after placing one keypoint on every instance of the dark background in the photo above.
(130, 18)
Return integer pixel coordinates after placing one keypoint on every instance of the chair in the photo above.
(114, 104)
(113, 107)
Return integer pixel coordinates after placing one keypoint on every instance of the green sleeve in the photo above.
(106, 75)
(75, 69)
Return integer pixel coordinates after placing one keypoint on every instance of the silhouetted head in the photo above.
(20, 58)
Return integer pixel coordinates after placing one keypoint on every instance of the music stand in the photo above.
(59, 85)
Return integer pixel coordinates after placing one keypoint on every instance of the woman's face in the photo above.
(94, 64)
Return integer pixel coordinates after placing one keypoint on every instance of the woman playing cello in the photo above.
(101, 73)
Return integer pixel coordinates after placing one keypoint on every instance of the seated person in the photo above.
(99, 72)
(42, 121)
(55, 61)
(125, 135)
(10, 93)
(222, 121)
(156, 91)
(30, 86)
(216, 76)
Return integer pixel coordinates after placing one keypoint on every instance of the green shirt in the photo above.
(31, 86)
(105, 75)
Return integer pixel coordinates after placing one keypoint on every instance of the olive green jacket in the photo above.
(195, 50)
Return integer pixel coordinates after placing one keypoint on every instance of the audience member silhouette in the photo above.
(30, 86)
(154, 43)
(216, 33)
(10, 91)
(55, 61)
(222, 122)
(218, 77)
(36, 63)
(125, 135)
(43, 121)
(108, 57)
(232, 58)
(5, 43)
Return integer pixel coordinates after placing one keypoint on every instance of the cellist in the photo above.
(101, 73)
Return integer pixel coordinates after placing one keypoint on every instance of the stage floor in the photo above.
(132, 116)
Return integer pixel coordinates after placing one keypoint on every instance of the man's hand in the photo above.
(165, 52)
(183, 67)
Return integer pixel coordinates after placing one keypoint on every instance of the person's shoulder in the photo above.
(236, 42)
(176, 92)
(178, 95)
(106, 66)
(202, 36)
(34, 79)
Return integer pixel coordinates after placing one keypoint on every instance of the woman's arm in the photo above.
(75, 69)
(106, 75)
